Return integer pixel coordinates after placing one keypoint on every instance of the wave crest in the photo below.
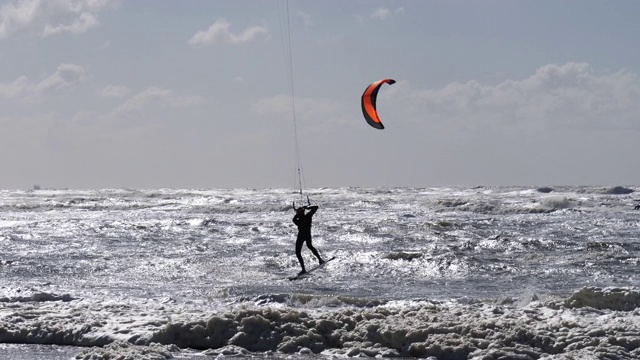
(619, 299)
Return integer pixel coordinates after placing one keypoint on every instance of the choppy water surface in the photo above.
(204, 272)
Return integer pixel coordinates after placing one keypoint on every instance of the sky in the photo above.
(241, 94)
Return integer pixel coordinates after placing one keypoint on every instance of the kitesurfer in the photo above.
(637, 207)
(303, 221)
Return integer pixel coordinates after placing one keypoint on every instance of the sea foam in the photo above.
(598, 321)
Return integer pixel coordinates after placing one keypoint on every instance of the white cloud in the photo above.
(67, 75)
(182, 101)
(219, 32)
(279, 104)
(554, 96)
(380, 13)
(82, 23)
(51, 17)
(115, 91)
(17, 15)
(321, 111)
(15, 88)
(305, 17)
(154, 96)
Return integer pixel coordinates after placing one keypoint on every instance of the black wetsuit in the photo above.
(304, 234)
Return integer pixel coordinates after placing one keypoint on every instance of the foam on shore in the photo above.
(605, 322)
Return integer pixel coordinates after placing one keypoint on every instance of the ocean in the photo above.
(435, 273)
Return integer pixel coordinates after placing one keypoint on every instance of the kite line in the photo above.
(285, 35)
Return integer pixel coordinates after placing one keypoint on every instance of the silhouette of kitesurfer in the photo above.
(637, 207)
(303, 221)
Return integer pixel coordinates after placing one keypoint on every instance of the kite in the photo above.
(369, 103)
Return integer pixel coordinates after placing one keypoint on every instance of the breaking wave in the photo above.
(446, 330)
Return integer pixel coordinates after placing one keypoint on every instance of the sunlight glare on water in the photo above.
(145, 257)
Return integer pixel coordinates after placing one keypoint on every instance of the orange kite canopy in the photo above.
(369, 103)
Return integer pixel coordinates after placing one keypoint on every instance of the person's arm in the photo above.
(312, 209)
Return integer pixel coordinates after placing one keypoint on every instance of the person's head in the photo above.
(300, 210)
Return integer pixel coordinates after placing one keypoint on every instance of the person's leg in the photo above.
(299, 243)
(314, 251)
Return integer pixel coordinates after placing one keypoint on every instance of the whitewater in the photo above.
(436, 273)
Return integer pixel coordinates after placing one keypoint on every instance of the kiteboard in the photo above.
(310, 270)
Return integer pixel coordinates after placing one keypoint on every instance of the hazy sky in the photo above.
(195, 94)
